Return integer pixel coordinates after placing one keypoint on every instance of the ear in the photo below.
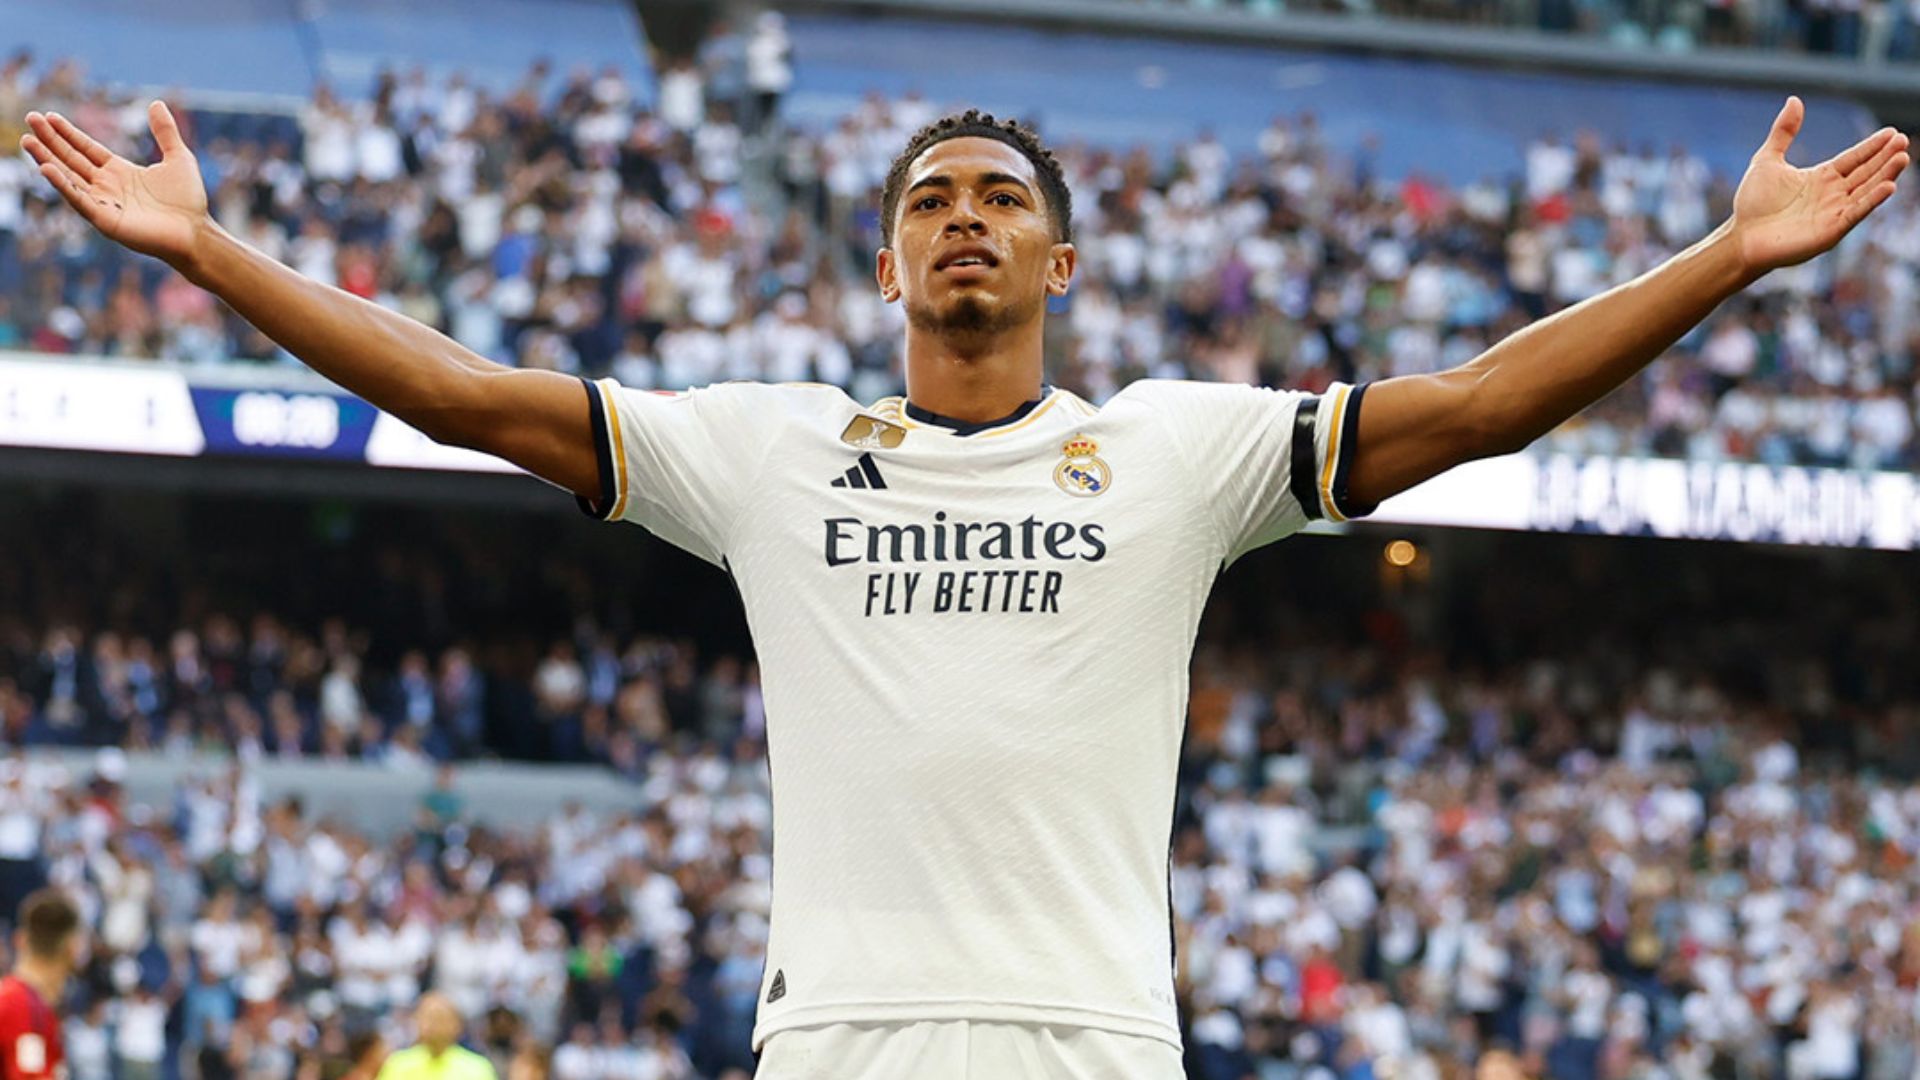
(1062, 259)
(885, 272)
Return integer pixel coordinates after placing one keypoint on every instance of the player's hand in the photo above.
(154, 209)
(1783, 215)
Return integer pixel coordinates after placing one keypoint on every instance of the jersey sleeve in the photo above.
(1266, 462)
(24, 1052)
(680, 464)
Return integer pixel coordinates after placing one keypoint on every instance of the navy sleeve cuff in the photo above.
(1349, 434)
(601, 508)
(1304, 481)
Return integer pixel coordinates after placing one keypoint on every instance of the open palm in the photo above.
(153, 209)
(1786, 215)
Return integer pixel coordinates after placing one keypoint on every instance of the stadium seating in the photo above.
(1460, 123)
(1300, 257)
(1590, 834)
(1430, 821)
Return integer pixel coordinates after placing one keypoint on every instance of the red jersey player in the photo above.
(45, 941)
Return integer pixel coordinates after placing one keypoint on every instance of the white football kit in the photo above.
(974, 643)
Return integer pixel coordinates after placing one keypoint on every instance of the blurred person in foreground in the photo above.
(46, 943)
(366, 1055)
(438, 1055)
(974, 605)
(531, 1061)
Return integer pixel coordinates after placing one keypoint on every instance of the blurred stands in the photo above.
(1425, 813)
(1734, 33)
(1457, 122)
(1668, 835)
(565, 225)
(1877, 32)
(434, 634)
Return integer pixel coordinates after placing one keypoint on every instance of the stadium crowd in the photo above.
(1695, 903)
(1677, 900)
(1422, 831)
(1873, 30)
(1524, 837)
(561, 226)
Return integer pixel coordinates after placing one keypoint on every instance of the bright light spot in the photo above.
(1402, 553)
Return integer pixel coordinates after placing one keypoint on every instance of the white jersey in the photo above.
(974, 644)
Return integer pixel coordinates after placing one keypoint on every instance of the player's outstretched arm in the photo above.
(539, 420)
(1414, 427)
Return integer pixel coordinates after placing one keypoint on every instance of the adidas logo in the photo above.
(779, 989)
(864, 474)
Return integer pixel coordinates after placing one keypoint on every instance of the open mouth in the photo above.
(968, 257)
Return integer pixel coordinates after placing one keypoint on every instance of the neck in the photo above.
(974, 380)
(48, 979)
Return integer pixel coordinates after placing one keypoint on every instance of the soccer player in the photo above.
(46, 944)
(974, 606)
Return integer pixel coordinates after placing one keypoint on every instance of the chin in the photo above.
(972, 312)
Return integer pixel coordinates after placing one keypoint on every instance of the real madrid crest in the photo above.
(872, 433)
(1082, 472)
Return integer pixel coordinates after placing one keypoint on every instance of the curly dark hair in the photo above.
(976, 124)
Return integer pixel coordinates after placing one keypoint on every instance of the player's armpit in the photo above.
(538, 420)
(1414, 427)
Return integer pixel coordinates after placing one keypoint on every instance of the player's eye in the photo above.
(1010, 198)
(927, 203)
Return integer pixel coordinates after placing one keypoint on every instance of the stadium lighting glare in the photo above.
(1401, 553)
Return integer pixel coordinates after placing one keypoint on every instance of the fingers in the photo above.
(1869, 170)
(1869, 202)
(57, 146)
(77, 191)
(36, 149)
(166, 132)
(1868, 196)
(1847, 161)
(83, 142)
(1785, 127)
(70, 189)
(1888, 173)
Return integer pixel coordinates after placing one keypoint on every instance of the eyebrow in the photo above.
(987, 179)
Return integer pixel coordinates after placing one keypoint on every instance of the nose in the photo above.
(965, 218)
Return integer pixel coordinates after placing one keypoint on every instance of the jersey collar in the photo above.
(969, 427)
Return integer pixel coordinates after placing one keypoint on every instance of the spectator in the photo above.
(438, 1053)
(769, 64)
(609, 239)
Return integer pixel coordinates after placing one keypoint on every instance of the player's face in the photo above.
(973, 247)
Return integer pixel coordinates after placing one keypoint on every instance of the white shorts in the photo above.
(964, 1050)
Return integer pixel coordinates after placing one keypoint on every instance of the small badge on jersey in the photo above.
(779, 988)
(872, 433)
(30, 1053)
(1081, 472)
